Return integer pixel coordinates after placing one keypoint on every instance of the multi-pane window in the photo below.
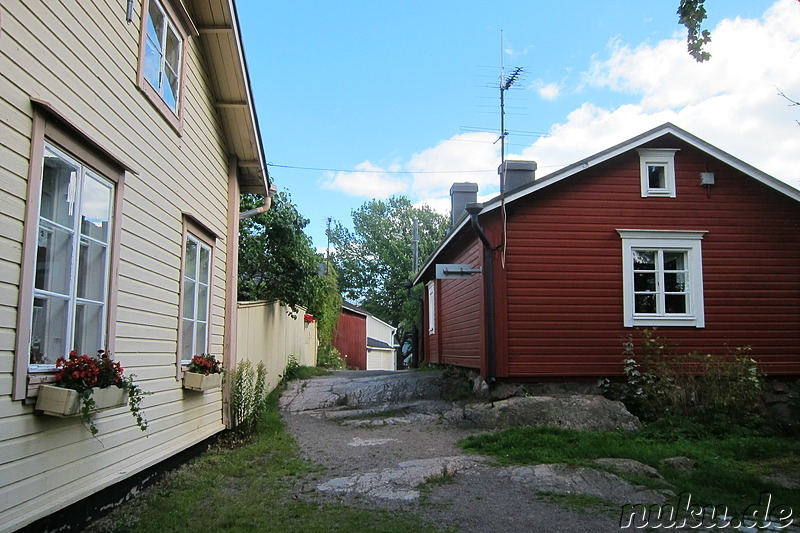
(662, 278)
(196, 297)
(70, 294)
(162, 55)
(657, 169)
(660, 282)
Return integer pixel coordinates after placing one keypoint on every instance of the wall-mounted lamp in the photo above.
(129, 13)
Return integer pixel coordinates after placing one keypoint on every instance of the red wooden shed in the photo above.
(350, 336)
(663, 230)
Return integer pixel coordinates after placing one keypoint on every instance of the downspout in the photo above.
(488, 285)
(416, 339)
(262, 208)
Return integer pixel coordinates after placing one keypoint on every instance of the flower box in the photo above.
(201, 382)
(58, 401)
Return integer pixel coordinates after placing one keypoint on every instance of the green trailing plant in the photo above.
(660, 383)
(248, 393)
(83, 374)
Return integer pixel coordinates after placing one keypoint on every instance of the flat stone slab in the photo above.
(564, 479)
(399, 483)
(356, 391)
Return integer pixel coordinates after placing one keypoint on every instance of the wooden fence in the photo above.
(268, 334)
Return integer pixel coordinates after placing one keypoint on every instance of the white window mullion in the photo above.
(76, 244)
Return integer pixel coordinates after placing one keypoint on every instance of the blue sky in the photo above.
(400, 89)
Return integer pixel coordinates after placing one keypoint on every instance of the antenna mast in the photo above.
(505, 84)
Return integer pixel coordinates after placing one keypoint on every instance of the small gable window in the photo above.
(657, 169)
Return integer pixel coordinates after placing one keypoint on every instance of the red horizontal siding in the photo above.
(564, 267)
(350, 338)
(459, 328)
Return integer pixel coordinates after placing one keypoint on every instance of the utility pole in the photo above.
(415, 246)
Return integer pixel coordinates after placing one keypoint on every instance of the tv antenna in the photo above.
(505, 84)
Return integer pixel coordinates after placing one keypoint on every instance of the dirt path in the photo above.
(382, 460)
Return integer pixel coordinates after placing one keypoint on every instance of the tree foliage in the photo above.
(375, 258)
(276, 260)
(692, 13)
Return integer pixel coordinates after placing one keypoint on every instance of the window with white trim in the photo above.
(196, 297)
(72, 260)
(657, 172)
(662, 276)
(431, 307)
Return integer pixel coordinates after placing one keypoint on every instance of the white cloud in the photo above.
(546, 91)
(730, 101)
(472, 157)
(371, 182)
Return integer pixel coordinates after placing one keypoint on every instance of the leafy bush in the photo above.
(248, 394)
(292, 370)
(660, 383)
(329, 357)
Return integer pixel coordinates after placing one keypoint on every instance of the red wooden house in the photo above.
(663, 230)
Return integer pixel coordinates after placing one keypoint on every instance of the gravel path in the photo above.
(379, 462)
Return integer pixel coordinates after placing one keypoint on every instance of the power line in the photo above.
(355, 170)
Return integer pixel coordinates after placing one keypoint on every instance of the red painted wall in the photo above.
(459, 329)
(564, 267)
(350, 338)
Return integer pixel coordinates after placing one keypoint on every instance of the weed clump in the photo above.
(661, 384)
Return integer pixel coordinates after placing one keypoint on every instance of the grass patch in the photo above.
(246, 488)
(729, 468)
(580, 503)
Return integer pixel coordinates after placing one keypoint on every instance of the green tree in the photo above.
(375, 258)
(276, 260)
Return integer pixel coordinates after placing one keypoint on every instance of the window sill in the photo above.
(663, 321)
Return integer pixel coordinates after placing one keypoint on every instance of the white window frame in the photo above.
(657, 157)
(431, 307)
(688, 242)
(77, 240)
(193, 232)
(179, 24)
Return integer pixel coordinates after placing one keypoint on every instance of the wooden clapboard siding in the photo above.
(460, 324)
(564, 268)
(82, 59)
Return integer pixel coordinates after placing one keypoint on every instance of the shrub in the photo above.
(248, 394)
(329, 357)
(292, 370)
(660, 383)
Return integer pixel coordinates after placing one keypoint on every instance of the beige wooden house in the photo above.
(128, 133)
